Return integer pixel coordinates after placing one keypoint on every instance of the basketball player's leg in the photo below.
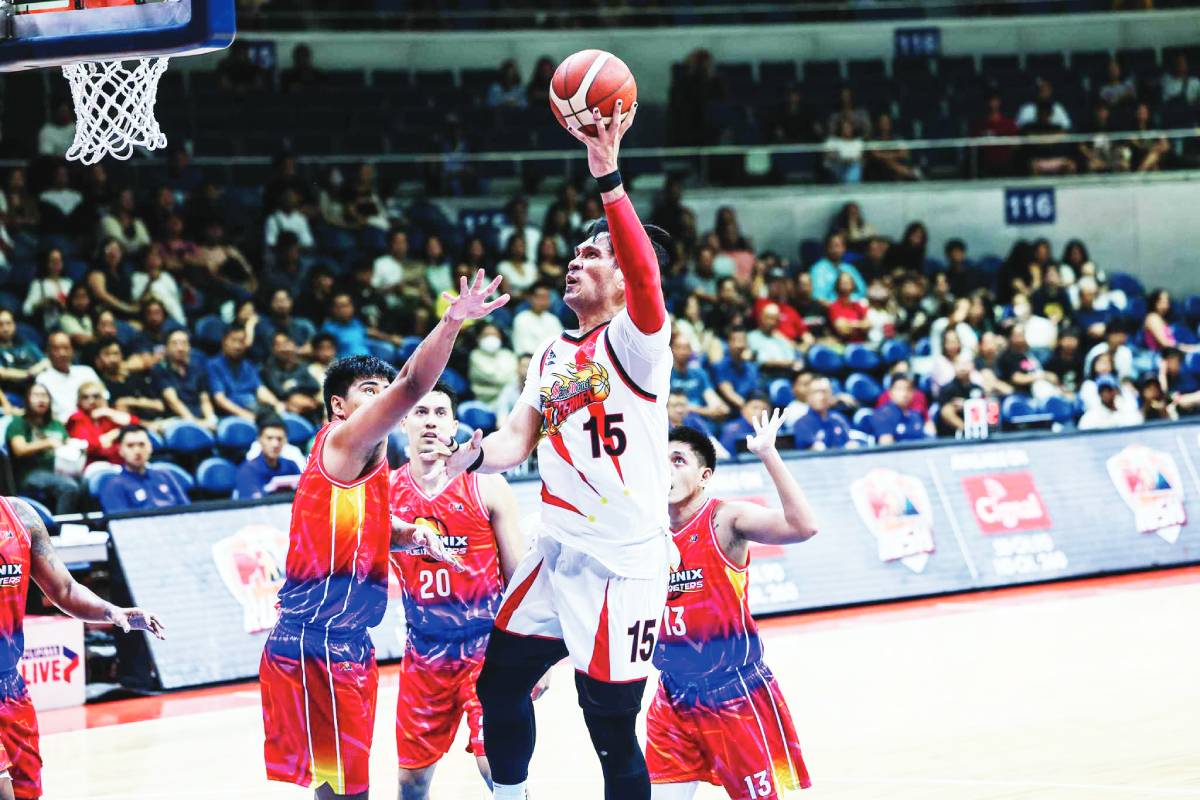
(414, 783)
(610, 712)
(6, 787)
(427, 716)
(20, 758)
(326, 792)
(674, 757)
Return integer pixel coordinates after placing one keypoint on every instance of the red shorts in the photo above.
(19, 738)
(318, 697)
(737, 734)
(435, 692)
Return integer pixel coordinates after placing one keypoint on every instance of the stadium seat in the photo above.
(1191, 363)
(923, 347)
(477, 415)
(299, 430)
(1123, 281)
(1062, 409)
(861, 358)
(234, 436)
(216, 477)
(780, 392)
(777, 74)
(185, 477)
(1016, 405)
(894, 351)
(457, 383)
(825, 360)
(863, 388)
(43, 512)
(31, 335)
(1184, 334)
(188, 438)
(382, 350)
(407, 348)
(208, 333)
(97, 474)
(1191, 310)
(862, 421)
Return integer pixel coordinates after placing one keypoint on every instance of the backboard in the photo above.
(44, 33)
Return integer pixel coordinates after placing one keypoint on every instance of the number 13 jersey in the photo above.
(602, 457)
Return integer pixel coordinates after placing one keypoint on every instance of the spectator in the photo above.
(733, 248)
(137, 487)
(1018, 274)
(1040, 332)
(223, 273)
(131, 392)
(1090, 318)
(734, 432)
(848, 317)
(289, 379)
(669, 212)
(678, 414)
(63, 378)
(280, 318)
(1066, 362)
(47, 297)
(510, 395)
(953, 395)
(536, 324)
(1156, 330)
(1028, 114)
(184, 382)
(288, 217)
(774, 352)
(32, 440)
(238, 73)
(58, 205)
(1021, 369)
(1117, 89)
(124, 226)
(438, 270)
(507, 91)
(76, 321)
(821, 428)
(1153, 400)
(1052, 156)
(255, 474)
(849, 112)
(1113, 410)
(324, 351)
(1103, 153)
(896, 420)
(963, 278)
(164, 206)
(285, 175)
(844, 154)
(370, 305)
(798, 407)
(550, 265)
(1181, 385)
(58, 134)
(811, 310)
(825, 272)
(995, 160)
(1115, 338)
(179, 254)
(881, 314)
(1180, 86)
(692, 325)
(110, 282)
(302, 76)
(693, 382)
(235, 385)
(96, 423)
(400, 278)
(737, 375)
(518, 270)
(20, 361)
(151, 341)
(24, 215)
(945, 357)
(1074, 264)
(538, 88)
(345, 327)
(779, 294)
(890, 163)
(317, 296)
(1149, 148)
(702, 280)
(490, 364)
(793, 122)
(1051, 300)
(519, 225)
(909, 253)
(855, 230)
(153, 284)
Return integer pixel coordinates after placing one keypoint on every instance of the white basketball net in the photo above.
(114, 108)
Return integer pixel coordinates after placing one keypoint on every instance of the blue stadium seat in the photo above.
(208, 333)
(1016, 405)
(863, 388)
(1184, 334)
(477, 415)
(457, 383)
(861, 358)
(30, 334)
(43, 512)
(185, 477)
(382, 350)
(188, 438)
(158, 443)
(235, 434)
(299, 430)
(780, 391)
(1135, 310)
(862, 421)
(894, 351)
(811, 251)
(97, 476)
(825, 360)
(1062, 409)
(407, 348)
(1191, 363)
(216, 477)
(923, 347)
(1130, 285)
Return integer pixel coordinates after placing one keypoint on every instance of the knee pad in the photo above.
(609, 699)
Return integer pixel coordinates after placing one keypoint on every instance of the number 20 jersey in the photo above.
(602, 457)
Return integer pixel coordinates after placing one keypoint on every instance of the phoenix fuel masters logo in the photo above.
(897, 511)
(1150, 484)
(685, 579)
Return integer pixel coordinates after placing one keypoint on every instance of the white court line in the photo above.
(1187, 459)
(962, 545)
(1094, 787)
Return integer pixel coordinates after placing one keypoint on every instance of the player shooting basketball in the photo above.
(318, 674)
(25, 552)
(718, 715)
(593, 588)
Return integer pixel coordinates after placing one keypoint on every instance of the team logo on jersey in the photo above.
(569, 391)
(684, 580)
(1150, 484)
(454, 544)
(251, 563)
(897, 511)
(10, 574)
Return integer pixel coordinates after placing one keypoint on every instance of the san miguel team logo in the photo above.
(1150, 484)
(577, 388)
(897, 511)
(251, 563)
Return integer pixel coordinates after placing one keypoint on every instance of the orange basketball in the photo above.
(590, 79)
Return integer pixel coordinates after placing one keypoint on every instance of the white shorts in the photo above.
(608, 623)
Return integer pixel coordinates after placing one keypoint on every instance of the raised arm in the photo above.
(73, 598)
(365, 429)
(508, 447)
(502, 505)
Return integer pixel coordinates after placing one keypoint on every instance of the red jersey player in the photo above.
(25, 552)
(594, 406)
(718, 715)
(317, 675)
(449, 612)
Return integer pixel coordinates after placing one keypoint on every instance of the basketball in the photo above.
(590, 79)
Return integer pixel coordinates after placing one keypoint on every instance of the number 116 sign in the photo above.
(1033, 205)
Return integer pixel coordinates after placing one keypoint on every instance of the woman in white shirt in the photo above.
(520, 273)
(48, 293)
(844, 154)
(438, 271)
(154, 281)
(491, 365)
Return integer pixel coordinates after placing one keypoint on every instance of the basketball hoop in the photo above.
(114, 107)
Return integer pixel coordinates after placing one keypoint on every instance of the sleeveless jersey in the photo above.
(441, 603)
(14, 585)
(603, 452)
(337, 561)
(707, 627)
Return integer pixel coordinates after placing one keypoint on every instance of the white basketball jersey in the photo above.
(603, 454)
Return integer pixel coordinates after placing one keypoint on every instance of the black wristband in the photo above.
(478, 462)
(610, 181)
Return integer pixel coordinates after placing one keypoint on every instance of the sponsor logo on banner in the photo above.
(897, 511)
(251, 563)
(1006, 502)
(48, 664)
(1150, 484)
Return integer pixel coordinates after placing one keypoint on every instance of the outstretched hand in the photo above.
(605, 144)
(135, 619)
(472, 301)
(412, 536)
(460, 457)
(766, 428)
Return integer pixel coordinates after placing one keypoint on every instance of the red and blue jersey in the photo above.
(443, 606)
(14, 585)
(707, 631)
(337, 561)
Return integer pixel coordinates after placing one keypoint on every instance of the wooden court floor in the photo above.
(1082, 691)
